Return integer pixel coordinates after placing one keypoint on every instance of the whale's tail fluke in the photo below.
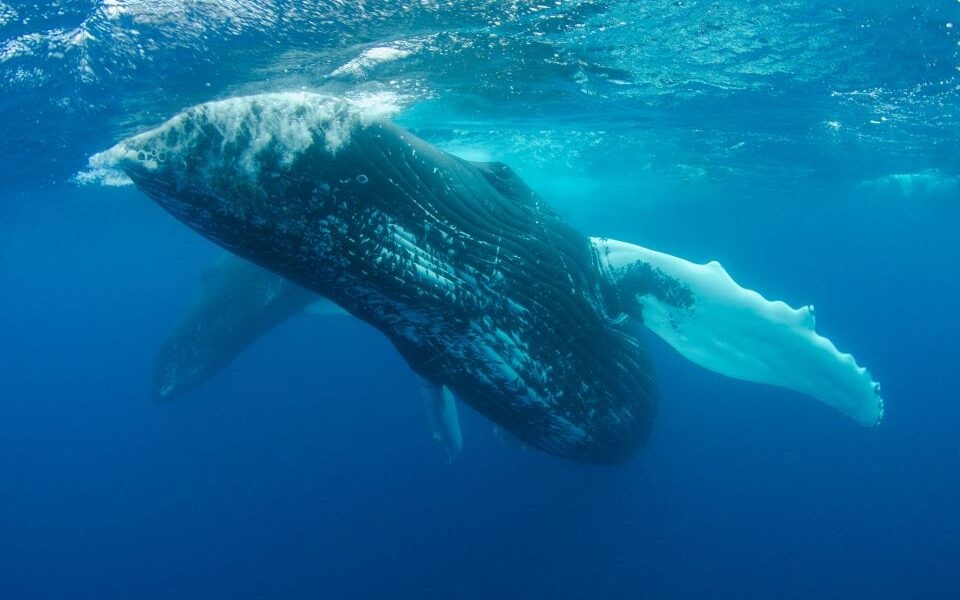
(711, 320)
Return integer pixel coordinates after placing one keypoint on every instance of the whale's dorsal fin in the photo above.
(505, 180)
(711, 320)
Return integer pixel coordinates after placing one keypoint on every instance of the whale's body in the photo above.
(481, 287)
(478, 283)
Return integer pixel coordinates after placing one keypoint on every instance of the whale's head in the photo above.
(261, 168)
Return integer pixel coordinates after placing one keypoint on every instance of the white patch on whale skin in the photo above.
(739, 333)
(284, 123)
(503, 355)
(423, 264)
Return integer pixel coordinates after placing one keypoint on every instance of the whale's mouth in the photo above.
(162, 189)
(128, 163)
(108, 168)
(147, 179)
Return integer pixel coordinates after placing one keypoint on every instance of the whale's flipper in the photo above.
(442, 413)
(236, 303)
(709, 319)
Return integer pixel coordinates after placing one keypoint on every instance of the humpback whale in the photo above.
(482, 288)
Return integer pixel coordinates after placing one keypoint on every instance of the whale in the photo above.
(481, 287)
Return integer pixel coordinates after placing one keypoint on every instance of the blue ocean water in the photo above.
(812, 147)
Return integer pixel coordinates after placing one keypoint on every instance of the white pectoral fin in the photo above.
(442, 414)
(709, 319)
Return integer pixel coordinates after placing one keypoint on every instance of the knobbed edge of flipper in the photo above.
(712, 321)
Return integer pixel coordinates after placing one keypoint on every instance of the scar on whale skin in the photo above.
(479, 285)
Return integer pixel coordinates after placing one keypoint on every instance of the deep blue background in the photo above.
(306, 469)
